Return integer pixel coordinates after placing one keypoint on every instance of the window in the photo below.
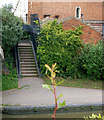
(56, 16)
(46, 16)
(78, 12)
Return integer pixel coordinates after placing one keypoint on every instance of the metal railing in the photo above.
(17, 60)
(38, 71)
(34, 32)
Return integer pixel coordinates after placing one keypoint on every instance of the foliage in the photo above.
(11, 29)
(60, 46)
(91, 60)
(26, 36)
(10, 81)
(95, 116)
(53, 75)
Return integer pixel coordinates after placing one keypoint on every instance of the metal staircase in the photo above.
(25, 52)
(27, 61)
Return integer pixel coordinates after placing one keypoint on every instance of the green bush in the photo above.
(11, 29)
(94, 117)
(91, 60)
(59, 46)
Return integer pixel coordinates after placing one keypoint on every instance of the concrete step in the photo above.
(24, 44)
(29, 75)
(25, 47)
(25, 52)
(27, 63)
(28, 69)
(28, 72)
(26, 57)
(27, 60)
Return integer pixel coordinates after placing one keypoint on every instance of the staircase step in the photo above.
(22, 48)
(21, 53)
(27, 60)
(27, 54)
(24, 44)
(28, 72)
(28, 68)
(29, 75)
(27, 63)
(27, 57)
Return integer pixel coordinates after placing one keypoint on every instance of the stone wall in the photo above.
(3, 68)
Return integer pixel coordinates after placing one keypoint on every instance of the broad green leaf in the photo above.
(61, 104)
(47, 87)
(59, 96)
(59, 82)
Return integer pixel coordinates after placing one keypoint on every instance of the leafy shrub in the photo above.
(60, 46)
(95, 116)
(91, 60)
(11, 29)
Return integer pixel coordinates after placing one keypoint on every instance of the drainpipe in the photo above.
(103, 38)
(103, 31)
(82, 17)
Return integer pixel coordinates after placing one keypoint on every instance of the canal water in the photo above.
(58, 115)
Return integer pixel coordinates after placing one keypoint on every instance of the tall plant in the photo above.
(54, 83)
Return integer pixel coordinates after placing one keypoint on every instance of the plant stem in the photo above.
(53, 116)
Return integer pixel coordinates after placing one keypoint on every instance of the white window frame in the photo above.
(76, 12)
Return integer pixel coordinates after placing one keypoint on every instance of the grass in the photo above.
(79, 83)
(9, 81)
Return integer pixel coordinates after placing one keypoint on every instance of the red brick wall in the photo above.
(89, 35)
(90, 10)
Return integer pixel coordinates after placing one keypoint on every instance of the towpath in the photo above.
(32, 93)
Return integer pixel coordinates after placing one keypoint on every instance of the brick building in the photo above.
(64, 8)
(89, 34)
(88, 11)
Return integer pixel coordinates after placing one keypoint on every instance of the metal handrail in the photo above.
(39, 75)
(15, 50)
(18, 61)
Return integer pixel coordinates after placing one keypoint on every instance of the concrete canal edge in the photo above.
(19, 110)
